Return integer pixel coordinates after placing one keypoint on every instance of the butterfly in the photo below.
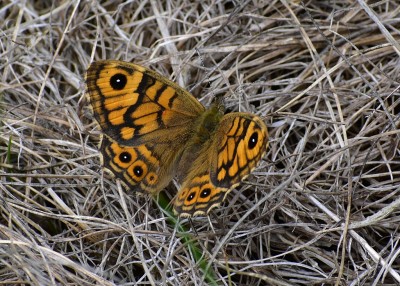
(155, 131)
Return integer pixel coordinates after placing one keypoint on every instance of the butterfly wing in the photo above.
(141, 168)
(240, 143)
(146, 119)
(237, 146)
(198, 195)
(134, 105)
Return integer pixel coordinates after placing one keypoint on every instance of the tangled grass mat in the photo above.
(322, 208)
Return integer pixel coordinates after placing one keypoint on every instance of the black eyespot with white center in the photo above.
(138, 171)
(205, 193)
(253, 140)
(118, 81)
(191, 196)
(125, 157)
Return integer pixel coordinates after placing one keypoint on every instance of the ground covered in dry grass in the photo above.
(322, 208)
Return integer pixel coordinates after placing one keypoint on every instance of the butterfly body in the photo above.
(155, 130)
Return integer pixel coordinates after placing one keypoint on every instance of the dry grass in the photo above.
(321, 209)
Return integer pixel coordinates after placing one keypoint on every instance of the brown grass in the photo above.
(321, 209)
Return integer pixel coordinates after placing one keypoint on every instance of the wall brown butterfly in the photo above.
(155, 130)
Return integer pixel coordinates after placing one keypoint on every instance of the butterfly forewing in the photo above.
(134, 105)
(240, 142)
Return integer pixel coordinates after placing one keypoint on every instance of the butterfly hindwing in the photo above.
(141, 168)
(198, 196)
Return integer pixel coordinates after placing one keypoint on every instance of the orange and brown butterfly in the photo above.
(155, 131)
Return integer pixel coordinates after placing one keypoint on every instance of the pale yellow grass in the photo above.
(321, 209)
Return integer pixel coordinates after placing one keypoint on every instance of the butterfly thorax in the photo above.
(207, 123)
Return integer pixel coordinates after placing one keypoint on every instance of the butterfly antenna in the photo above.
(217, 99)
